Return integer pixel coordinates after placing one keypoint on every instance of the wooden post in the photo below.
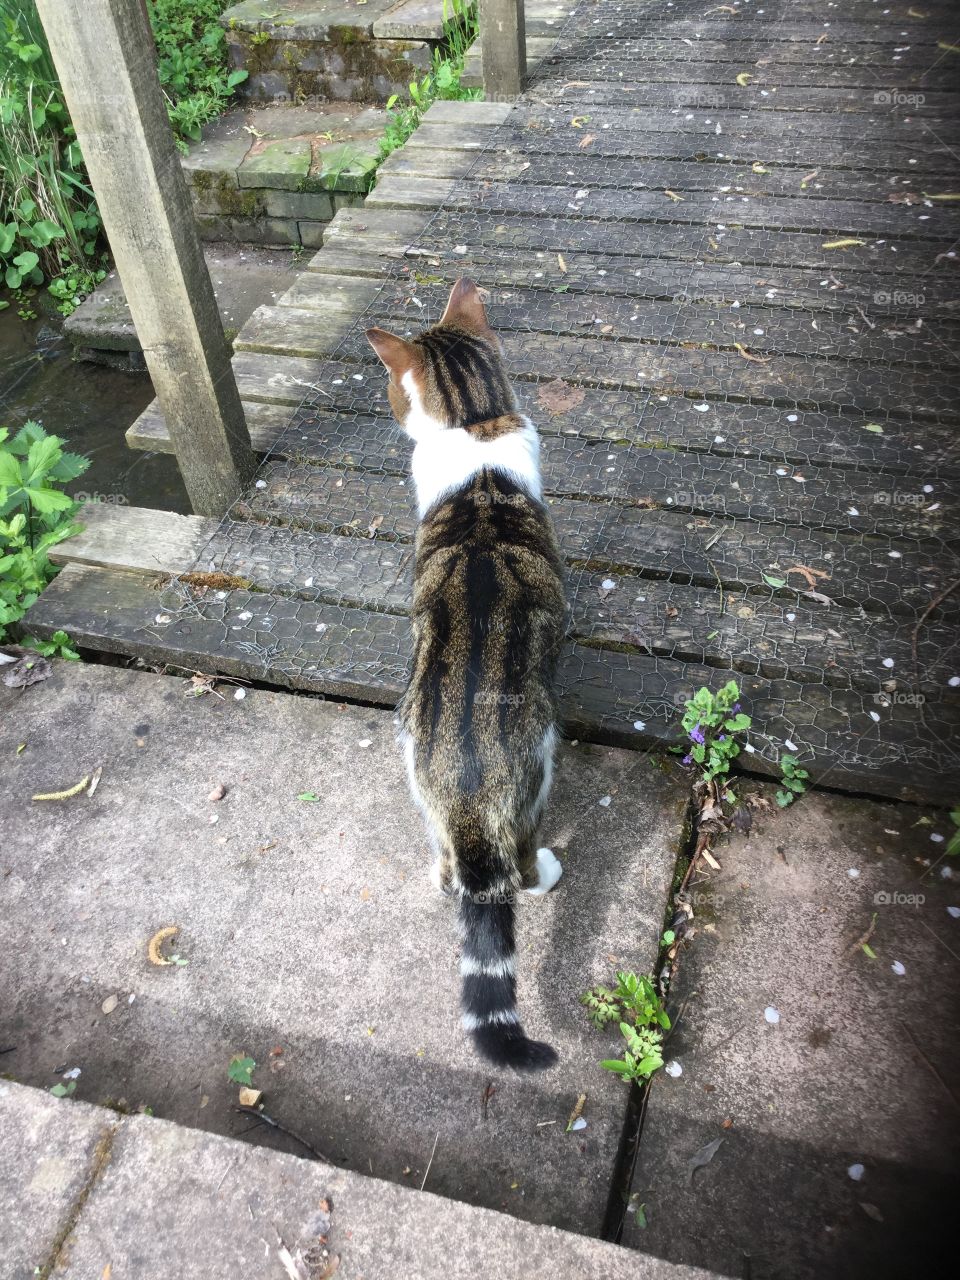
(503, 49)
(106, 59)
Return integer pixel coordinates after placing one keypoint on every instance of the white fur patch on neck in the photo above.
(446, 458)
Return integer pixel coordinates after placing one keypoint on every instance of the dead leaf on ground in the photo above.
(374, 525)
(562, 263)
(702, 1158)
(673, 196)
(748, 355)
(586, 140)
(30, 668)
(559, 397)
(154, 954)
(811, 575)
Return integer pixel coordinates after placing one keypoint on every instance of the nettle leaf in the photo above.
(41, 456)
(241, 1069)
(46, 501)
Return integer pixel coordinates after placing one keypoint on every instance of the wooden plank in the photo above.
(895, 576)
(138, 538)
(468, 112)
(827, 218)
(527, 236)
(662, 368)
(719, 285)
(266, 423)
(605, 694)
(769, 327)
(755, 634)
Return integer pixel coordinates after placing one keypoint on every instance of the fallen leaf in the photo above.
(849, 242)
(757, 167)
(820, 39)
(944, 195)
(811, 575)
(110, 1004)
(154, 954)
(702, 1158)
(374, 525)
(587, 140)
(673, 196)
(771, 581)
(559, 397)
(579, 121)
(748, 355)
(808, 177)
(743, 79)
(561, 263)
(29, 669)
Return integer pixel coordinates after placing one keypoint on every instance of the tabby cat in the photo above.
(477, 719)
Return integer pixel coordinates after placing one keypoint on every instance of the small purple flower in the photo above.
(722, 738)
(696, 735)
(736, 707)
(687, 760)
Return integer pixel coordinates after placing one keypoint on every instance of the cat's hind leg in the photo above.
(543, 874)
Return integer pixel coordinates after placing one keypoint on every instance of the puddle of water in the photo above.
(91, 407)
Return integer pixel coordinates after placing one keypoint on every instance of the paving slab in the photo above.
(225, 1209)
(50, 1153)
(314, 942)
(839, 1121)
(244, 277)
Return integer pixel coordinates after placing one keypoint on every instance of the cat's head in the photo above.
(451, 375)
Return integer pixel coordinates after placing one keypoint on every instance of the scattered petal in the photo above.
(898, 968)
(771, 1014)
(673, 1068)
(856, 1172)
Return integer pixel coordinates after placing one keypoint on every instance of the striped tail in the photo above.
(488, 969)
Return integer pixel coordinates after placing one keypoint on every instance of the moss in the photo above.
(202, 181)
(234, 202)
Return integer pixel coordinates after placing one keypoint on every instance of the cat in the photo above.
(477, 721)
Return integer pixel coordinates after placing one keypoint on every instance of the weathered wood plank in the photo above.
(827, 218)
(755, 634)
(503, 43)
(873, 387)
(769, 327)
(624, 698)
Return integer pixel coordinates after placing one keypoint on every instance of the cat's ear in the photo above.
(465, 308)
(399, 355)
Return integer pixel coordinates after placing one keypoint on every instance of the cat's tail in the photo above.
(488, 970)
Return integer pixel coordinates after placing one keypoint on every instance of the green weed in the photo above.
(793, 781)
(35, 514)
(637, 1008)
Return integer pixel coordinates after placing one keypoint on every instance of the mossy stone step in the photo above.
(276, 175)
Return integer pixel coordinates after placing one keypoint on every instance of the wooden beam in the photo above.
(503, 46)
(106, 60)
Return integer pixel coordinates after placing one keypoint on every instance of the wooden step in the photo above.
(212, 624)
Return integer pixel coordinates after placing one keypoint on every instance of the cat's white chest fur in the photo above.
(445, 458)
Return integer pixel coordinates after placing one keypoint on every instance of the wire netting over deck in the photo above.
(720, 251)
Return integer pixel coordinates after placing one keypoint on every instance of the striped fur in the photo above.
(477, 719)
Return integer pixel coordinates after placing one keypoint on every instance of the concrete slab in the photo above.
(51, 1150)
(859, 1072)
(244, 277)
(224, 1209)
(314, 941)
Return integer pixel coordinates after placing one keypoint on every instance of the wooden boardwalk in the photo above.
(721, 251)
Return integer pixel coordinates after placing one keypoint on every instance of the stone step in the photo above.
(276, 175)
(244, 277)
(314, 941)
(92, 1193)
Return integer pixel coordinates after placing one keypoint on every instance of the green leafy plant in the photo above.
(35, 514)
(49, 225)
(196, 79)
(58, 646)
(712, 722)
(442, 84)
(953, 844)
(793, 781)
(63, 1090)
(241, 1069)
(636, 1007)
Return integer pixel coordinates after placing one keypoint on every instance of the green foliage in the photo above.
(35, 514)
(712, 721)
(637, 1008)
(58, 646)
(441, 85)
(63, 1090)
(793, 782)
(192, 62)
(241, 1069)
(953, 844)
(49, 224)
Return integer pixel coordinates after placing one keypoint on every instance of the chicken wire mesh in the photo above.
(718, 245)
